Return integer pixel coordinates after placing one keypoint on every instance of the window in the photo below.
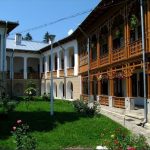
(49, 63)
(94, 47)
(134, 85)
(43, 63)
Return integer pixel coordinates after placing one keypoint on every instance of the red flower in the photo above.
(116, 142)
(14, 128)
(19, 121)
(131, 148)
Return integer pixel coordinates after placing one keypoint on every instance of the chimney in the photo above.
(18, 38)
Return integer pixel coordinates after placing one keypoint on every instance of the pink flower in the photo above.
(14, 128)
(19, 121)
(131, 148)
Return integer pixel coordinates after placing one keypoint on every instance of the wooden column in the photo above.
(129, 86)
(111, 87)
(99, 87)
(109, 41)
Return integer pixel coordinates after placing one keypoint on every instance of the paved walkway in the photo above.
(128, 119)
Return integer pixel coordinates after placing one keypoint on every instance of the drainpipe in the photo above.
(12, 70)
(144, 68)
(4, 50)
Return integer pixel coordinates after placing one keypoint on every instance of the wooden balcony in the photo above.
(61, 73)
(93, 64)
(103, 60)
(118, 55)
(70, 72)
(135, 48)
(33, 75)
(84, 97)
(18, 75)
(104, 100)
(83, 60)
(119, 102)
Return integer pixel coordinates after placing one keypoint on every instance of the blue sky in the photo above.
(33, 13)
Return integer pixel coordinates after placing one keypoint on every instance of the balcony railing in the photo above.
(84, 97)
(93, 64)
(61, 73)
(135, 48)
(18, 75)
(33, 75)
(104, 60)
(83, 60)
(70, 71)
(118, 54)
(104, 100)
(54, 73)
(119, 102)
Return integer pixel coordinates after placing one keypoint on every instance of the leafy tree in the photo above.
(28, 37)
(46, 37)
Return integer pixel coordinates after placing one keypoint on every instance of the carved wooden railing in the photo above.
(104, 100)
(84, 97)
(33, 75)
(119, 102)
(93, 64)
(104, 60)
(18, 75)
(70, 71)
(135, 48)
(61, 73)
(118, 55)
(83, 60)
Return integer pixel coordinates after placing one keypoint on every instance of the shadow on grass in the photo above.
(38, 121)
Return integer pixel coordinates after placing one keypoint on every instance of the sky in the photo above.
(34, 13)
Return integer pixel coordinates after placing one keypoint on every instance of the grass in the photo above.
(65, 129)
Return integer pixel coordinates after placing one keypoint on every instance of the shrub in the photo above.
(82, 107)
(45, 97)
(121, 140)
(23, 139)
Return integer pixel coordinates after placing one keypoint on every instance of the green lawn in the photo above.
(65, 129)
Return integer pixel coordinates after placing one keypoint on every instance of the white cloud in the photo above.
(70, 31)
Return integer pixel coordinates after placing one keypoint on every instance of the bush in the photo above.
(23, 139)
(120, 140)
(82, 107)
(45, 97)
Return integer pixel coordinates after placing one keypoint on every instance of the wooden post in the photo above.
(99, 87)
(111, 87)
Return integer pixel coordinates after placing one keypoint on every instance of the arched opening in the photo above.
(134, 21)
(55, 62)
(18, 67)
(61, 90)
(94, 47)
(55, 90)
(103, 40)
(118, 32)
(71, 58)
(69, 90)
(8, 67)
(33, 68)
(61, 60)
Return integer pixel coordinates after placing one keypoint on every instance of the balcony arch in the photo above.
(61, 90)
(54, 89)
(33, 68)
(70, 90)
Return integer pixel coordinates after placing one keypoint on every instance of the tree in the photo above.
(28, 37)
(46, 37)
